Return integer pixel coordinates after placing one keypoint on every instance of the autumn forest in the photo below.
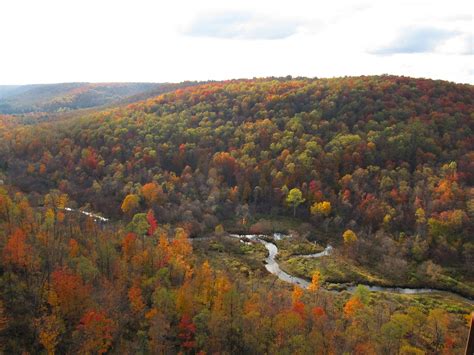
(265, 216)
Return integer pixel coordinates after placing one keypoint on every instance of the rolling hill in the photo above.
(371, 179)
(18, 99)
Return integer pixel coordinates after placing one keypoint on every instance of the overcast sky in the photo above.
(52, 41)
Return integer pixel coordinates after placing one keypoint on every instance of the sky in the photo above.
(52, 41)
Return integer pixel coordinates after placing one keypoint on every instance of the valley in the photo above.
(272, 215)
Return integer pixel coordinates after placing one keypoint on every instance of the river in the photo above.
(273, 267)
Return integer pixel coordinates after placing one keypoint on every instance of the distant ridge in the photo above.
(20, 99)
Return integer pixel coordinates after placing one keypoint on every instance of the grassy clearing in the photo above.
(232, 255)
(338, 269)
(291, 247)
(333, 268)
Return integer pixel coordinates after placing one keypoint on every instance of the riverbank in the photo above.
(273, 266)
(339, 270)
(281, 264)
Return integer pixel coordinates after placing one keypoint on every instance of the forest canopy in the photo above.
(381, 167)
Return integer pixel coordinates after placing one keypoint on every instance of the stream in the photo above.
(272, 266)
(96, 217)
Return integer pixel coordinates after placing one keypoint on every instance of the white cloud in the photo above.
(460, 44)
(241, 25)
(417, 40)
(147, 40)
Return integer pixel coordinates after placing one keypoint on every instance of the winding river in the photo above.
(272, 266)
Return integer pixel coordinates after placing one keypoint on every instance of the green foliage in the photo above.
(139, 224)
(294, 199)
(363, 294)
(386, 159)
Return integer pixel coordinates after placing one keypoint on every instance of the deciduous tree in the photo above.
(294, 199)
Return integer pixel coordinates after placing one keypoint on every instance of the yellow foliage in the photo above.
(30, 169)
(411, 350)
(420, 216)
(321, 208)
(49, 217)
(349, 237)
(49, 329)
(130, 203)
(219, 229)
(53, 298)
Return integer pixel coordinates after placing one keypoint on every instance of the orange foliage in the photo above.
(163, 251)
(129, 245)
(17, 251)
(181, 247)
(73, 248)
(297, 293)
(69, 292)
(136, 299)
(151, 192)
(352, 306)
(364, 349)
(444, 190)
(298, 306)
(314, 286)
(184, 298)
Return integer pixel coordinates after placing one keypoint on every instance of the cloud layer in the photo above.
(241, 25)
(149, 40)
(417, 40)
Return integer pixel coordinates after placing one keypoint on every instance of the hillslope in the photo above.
(20, 99)
(379, 167)
(389, 157)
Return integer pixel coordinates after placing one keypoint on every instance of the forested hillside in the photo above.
(16, 99)
(381, 167)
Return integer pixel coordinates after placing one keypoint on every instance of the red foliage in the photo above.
(96, 330)
(187, 329)
(150, 217)
(90, 159)
(298, 307)
(318, 312)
